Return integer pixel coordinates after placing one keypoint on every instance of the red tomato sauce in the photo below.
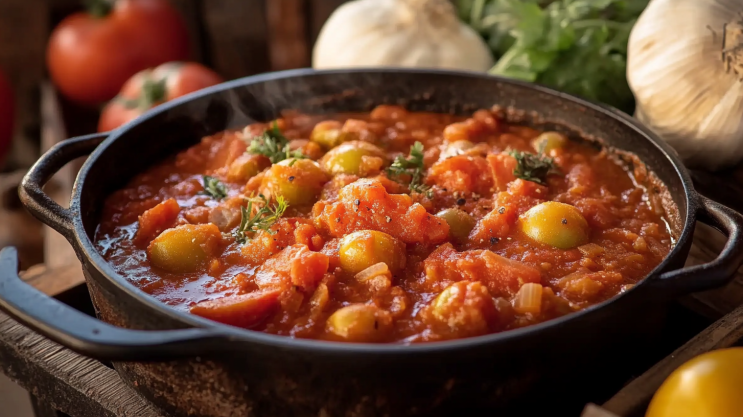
(400, 227)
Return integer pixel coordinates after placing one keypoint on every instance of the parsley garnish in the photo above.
(263, 219)
(576, 46)
(274, 145)
(413, 166)
(531, 167)
(214, 188)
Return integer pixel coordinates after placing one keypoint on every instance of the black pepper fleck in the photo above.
(461, 202)
(357, 202)
(501, 210)
(564, 221)
(291, 178)
(494, 240)
(388, 218)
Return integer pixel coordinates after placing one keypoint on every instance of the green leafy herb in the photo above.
(576, 46)
(263, 219)
(412, 166)
(274, 145)
(214, 188)
(531, 167)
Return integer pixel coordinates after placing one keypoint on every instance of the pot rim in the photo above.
(86, 245)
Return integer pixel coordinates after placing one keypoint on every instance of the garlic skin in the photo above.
(399, 33)
(684, 90)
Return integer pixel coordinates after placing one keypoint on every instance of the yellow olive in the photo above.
(362, 249)
(548, 141)
(327, 134)
(185, 248)
(360, 323)
(555, 224)
(300, 181)
(346, 158)
(460, 223)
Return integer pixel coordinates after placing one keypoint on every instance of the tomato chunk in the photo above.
(244, 310)
(468, 174)
(366, 205)
(502, 276)
(153, 221)
(295, 266)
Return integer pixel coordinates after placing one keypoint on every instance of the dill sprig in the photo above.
(412, 166)
(533, 167)
(263, 219)
(274, 145)
(214, 187)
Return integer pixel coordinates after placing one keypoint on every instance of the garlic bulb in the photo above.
(684, 65)
(399, 33)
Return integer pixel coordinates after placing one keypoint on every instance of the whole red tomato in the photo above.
(90, 55)
(151, 87)
(7, 116)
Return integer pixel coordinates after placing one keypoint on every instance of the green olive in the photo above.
(346, 158)
(548, 141)
(555, 224)
(360, 323)
(327, 134)
(460, 223)
(362, 249)
(300, 181)
(185, 248)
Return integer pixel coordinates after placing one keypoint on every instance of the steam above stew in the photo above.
(388, 226)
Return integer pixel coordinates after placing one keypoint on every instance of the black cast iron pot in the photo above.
(192, 366)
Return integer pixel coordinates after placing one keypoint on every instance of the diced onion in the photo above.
(591, 250)
(528, 299)
(375, 270)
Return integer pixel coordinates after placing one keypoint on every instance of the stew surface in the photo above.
(388, 226)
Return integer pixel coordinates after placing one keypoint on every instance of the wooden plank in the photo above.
(71, 383)
(24, 29)
(235, 37)
(54, 281)
(17, 227)
(57, 251)
(288, 34)
(190, 10)
(632, 400)
(593, 410)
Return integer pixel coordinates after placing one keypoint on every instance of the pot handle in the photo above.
(719, 271)
(31, 192)
(90, 336)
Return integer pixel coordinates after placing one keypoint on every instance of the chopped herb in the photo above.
(412, 166)
(263, 219)
(214, 188)
(274, 145)
(531, 167)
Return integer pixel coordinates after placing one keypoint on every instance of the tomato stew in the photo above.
(388, 226)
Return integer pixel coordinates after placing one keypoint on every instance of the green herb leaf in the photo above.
(264, 218)
(576, 46)
(531, 167)
(214, 188)
(412, 166)
(274, 145)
